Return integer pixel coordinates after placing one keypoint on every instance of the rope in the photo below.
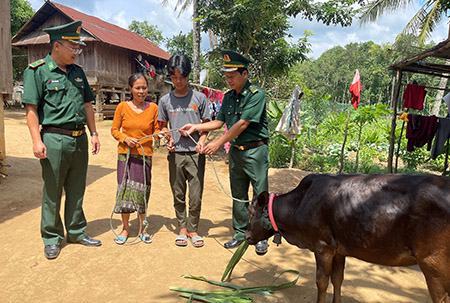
(145, 223)
(217, 177)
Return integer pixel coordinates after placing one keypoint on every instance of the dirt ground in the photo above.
(144, 273)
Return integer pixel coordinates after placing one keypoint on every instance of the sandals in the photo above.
(197, 241)
(181, 240)
(121, 239)
(146, 238)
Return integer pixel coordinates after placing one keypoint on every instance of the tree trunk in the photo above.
(341, 158)
(440, 94)
(357, 149)
(213, 44)
(196, 42)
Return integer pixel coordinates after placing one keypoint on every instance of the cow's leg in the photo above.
(436, 271)
(337, 276)
(324, 266)
(432, 253)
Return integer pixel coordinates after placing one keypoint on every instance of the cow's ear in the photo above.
(263, 198)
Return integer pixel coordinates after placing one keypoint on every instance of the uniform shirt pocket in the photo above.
(55, 91)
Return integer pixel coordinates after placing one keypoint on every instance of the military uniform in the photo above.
(248, 156)
(59, 97)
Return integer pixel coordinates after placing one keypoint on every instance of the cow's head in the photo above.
(260, 227)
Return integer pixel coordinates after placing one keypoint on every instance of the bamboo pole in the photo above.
(394, 101)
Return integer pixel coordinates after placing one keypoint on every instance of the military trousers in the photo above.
(247, 167)
(187, 169)
(64, 168)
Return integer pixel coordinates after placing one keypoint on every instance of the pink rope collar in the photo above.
(271, 217)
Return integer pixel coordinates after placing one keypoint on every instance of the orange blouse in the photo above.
(128, 123)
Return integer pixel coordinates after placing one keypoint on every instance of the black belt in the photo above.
(63, 131)
(250, 145)
(186, 152)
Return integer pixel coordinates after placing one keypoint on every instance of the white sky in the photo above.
(121, 13)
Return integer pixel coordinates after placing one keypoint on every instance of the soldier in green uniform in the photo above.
(244, 112)
(58, 104)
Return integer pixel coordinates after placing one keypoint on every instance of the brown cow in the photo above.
(393, 220)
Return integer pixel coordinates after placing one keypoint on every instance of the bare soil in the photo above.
(144, 273)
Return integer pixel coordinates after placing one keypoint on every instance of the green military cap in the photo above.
(69, 32)
(233, 60)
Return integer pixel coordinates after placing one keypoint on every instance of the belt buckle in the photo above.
(77, 133)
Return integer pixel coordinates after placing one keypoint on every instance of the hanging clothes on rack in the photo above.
(420, 130)
(446, 99)
(442, 135)
(414, 96)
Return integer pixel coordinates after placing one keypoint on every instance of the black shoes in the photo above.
(261, 247)
(87, 241)
(51, 251)
(233, 243)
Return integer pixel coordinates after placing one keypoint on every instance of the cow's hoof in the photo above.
(261, 247)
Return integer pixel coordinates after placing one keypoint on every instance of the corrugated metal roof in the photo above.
(104, 32)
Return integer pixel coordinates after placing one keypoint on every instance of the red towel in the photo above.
(414, 96)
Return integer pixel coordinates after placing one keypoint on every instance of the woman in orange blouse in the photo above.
(134, 123)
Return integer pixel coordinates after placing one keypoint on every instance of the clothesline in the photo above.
(196, 85)
(202, 86)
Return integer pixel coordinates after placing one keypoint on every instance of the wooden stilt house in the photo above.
(111, 55)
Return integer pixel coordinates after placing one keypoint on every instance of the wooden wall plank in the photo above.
(6, 75)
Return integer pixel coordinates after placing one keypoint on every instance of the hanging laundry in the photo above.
(215, 98)
(414, 96)
(420, 130)
(442, 134)
(355, 90)
(446, 99)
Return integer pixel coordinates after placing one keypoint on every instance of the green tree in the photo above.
(181, 43)
(363, 116)
(148, 31)
(331, 73)
(181, 6)
(259, 28)
(21, 12)
(422, 24)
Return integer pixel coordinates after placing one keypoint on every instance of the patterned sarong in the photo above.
(132, 192)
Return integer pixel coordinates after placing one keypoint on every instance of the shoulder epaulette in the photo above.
(228, 91)
(37, 63)
(253, 88)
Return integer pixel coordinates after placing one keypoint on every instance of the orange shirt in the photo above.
(128, 123)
